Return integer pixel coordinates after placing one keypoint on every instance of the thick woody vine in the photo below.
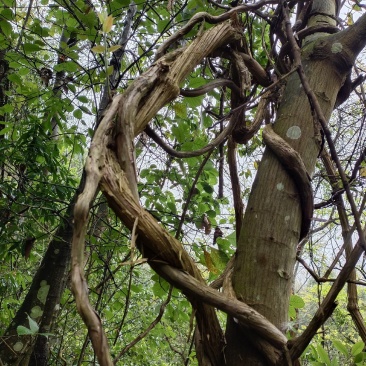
(103, 167)
(110, 165)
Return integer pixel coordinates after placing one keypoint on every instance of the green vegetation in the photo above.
(136, 175)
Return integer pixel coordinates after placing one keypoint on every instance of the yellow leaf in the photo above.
(256, 164)
(209, 264)
(102, 16)
(349, 19)
(114, 48)
(107, 24)
(363, 172)
(98, 49)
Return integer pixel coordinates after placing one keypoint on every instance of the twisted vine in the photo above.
(291, 160)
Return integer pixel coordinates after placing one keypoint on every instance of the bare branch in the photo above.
(190, 195)
(210, 86)
(189, 154)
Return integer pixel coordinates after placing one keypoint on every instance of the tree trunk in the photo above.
(42, 299)
(266, 250)
(53, 271)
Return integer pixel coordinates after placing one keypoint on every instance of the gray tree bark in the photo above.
(266, 250)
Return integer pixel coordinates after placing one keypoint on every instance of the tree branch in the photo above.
(206, 17)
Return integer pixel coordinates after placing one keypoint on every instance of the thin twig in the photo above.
(190, 194)
(147, 330)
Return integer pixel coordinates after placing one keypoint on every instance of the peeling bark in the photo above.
(141, 101)
(272, 224)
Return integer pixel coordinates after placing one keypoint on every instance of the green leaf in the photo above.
(180, 110)
(162, 25)
(292, 312)
(207, 187)
(357, 348)
(180, 132)
(160, 288)
(23, 71)
(135, 288)
(70, 66)
(98, 49)
(207, 121)
(297, 302)
(6, 27)
(211, 214)
(360, 358)
(109, 70)
(219, 258)
(225, 244)
(33, 326)
(114, 48)
(8, 3)
(23, 330)
(121, 3)
(31, 47)
(15, 79)
(340, 347)
(85, 110)
(6, 130)
(7, 108)
(172, 207)
(323, 355)
(83, 99)
(197, 82)
(102, 16)
(194, 102)
(7, 13)
(4, 43)
(78, 113)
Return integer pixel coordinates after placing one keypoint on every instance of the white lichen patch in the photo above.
(283, 274)
(57, 307)
(337, 47)
(294, 132)
(36, 312)
(57, 251)
(18, 346)
(43, 292)
(280, 186)
(287, 219)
